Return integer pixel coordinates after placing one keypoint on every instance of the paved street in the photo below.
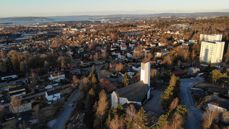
(64, 115)
(194, 114)
(154, 104)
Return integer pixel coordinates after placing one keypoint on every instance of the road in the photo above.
(154, 104)
(194, 114)
(63, 117)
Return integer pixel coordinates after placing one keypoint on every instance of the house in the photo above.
(136, 93)
(9, 77)
(23, 107)
(52, 96)
(50, 86)
(215, 108)
(123, 47)
(17, 91)
(56, 77)
(193, 70)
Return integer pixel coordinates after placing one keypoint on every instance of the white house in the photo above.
(23, 107)
(215, 108)
(136, 93)
(52, 96)
(56, 77)
(9, 77)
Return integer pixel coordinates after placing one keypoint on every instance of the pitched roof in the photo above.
(134, 92)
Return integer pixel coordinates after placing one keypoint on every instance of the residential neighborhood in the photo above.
(148, 73)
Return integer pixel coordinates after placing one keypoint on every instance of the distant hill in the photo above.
(199, 14)
(33, 20)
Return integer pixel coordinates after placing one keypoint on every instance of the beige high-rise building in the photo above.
(212, 49)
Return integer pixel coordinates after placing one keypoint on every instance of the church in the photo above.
(136, 93)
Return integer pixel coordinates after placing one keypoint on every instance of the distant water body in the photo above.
(42, 20)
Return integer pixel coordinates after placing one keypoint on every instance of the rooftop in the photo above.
(134, 92)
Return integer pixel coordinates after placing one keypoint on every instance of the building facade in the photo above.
(212, 49)
(136, 93)
(145, 73)
(211, 38)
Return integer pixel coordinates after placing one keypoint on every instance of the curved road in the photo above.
(63, 117)
(194, 114)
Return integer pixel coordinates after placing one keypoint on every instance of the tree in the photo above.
(119, 67)
(153, 73)
(216, 75)
(90, 100)
(104, 54)
(169, 92)
(168, 60)
(15, 58)
(22, 67)
(126, 80)
(75, 81)
(3, 66)
(94, 79)
(130, 116)
(84, 86)
(182, 110)
(15, 102)
(162, 121)
(138, 52)
(116, 123)
(148, 57)
(208, 118)
(141, 119)
(89, 113)
(101, 109)
(227, 56)
(174, 104)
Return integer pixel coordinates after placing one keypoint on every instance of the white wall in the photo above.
(145, 73)
(114, 100)
(211, 38)
(211, 52)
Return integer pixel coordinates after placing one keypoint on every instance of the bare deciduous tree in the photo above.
(208, 118)
(116, 123)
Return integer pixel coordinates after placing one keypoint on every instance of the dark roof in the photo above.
(224, 103)
(53, 92)
(17, 93)
(134, 92)
(17, 88)
(204, 85)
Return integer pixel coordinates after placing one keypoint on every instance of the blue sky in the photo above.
(10, 8)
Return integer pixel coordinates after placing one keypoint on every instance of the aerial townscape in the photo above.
(115, 71)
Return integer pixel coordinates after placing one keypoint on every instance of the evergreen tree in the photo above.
(169, 92)
(101, 110)
(126, 80)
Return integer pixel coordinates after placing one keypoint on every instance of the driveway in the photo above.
(63, 117)
(194, 114)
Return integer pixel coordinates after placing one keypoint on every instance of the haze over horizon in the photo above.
(24, 8)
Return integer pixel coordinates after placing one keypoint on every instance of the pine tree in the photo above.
(101, 110)
(169, 92)
(126, 80)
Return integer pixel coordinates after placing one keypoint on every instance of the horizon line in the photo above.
(112, 13)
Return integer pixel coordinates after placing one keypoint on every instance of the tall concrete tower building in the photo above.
(145, 73)
(212, 49)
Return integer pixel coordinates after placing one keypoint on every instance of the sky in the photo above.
(12, 8)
